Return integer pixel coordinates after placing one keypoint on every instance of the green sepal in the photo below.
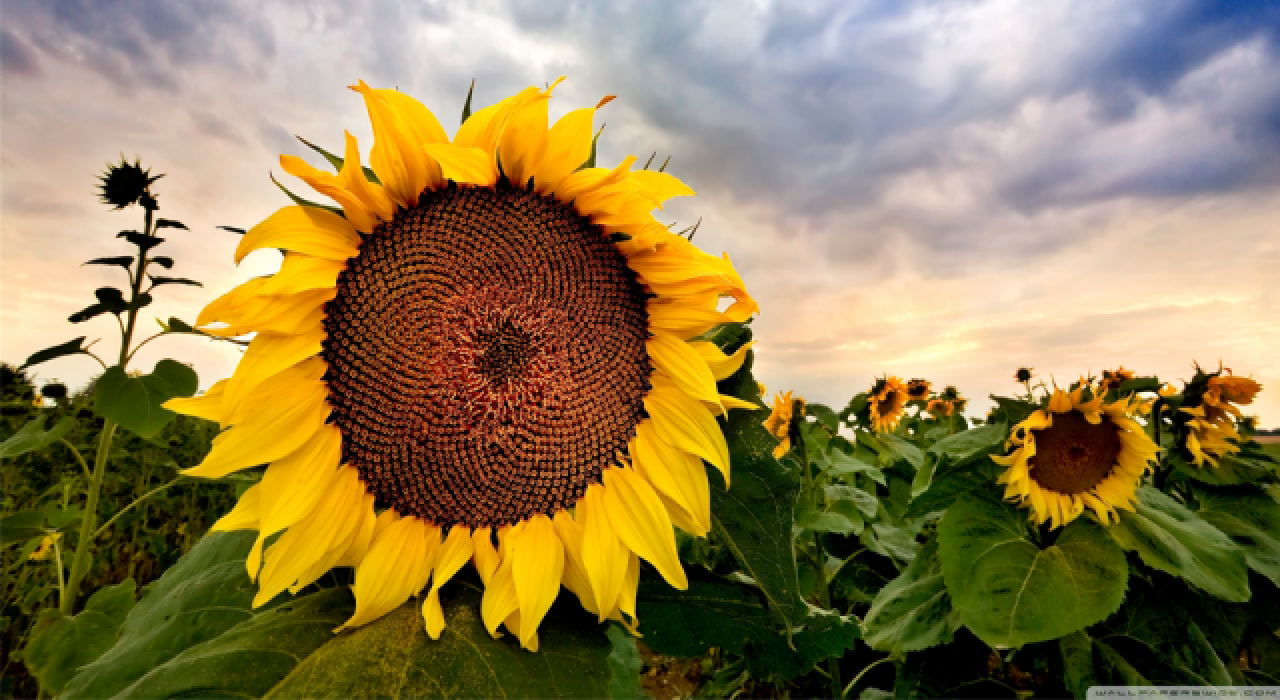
(335, 161)
(304, 202)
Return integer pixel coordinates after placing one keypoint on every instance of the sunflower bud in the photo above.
(125, 183)
(56, 390)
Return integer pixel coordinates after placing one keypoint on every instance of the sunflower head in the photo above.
(918, 389)
(497, 345)
(125, 183)
(1075, 454)
(781, 422)
(887, 401)
(1023, 375)
(1203, 429)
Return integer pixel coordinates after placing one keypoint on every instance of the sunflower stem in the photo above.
(84, 543)
(820, 557)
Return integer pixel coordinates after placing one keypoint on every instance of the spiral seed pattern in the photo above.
(486, 354)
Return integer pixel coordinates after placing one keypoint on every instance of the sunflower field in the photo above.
(495, 433)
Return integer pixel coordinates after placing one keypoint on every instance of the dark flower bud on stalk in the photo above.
(56, 390)
(125, 183)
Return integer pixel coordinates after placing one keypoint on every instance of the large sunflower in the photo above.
(492, 355)
(1077, 454)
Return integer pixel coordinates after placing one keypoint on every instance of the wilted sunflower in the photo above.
(1112, 379)
(888, 401)
(470, 363)
(918, 389)
(785, 409)
(1203, 427)
(1077, 454)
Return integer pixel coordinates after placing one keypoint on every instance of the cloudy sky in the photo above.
(947, 190)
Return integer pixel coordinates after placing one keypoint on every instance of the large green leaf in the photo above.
(202, 596)
(60, 645)
(969, 444)
(1077, 663)
(730, 616)
(1011, 592)
(1171, 538)
(135, 402)
(32, 436)
(394, 658)
(1252, 520)
(252, 657)
(913, 611)
(754, 517)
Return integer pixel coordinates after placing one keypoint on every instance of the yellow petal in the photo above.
(372, 196)
(397, 156)
(292, 313)
(590, 179)
(661, 186)
(305, 230)
(683, 365)
(722, 366)
(316, 542)
(675, 474)
(536, 568)
(300, 273)
(244, 516)
(268, 355)
(630, 584)
(575, 570)
(342, 548)
(641, 522)
(396, 567)
(293, 485)
(1060, 402)
(298, 409)
(456, 551)
(415, 116)
(484, 127)
(500, 591)
(487, 557)
(330, 186)
(469, 166)
(603, 556)
(207, 406)
(568, 147)
(363, 537)
(233, 303)
(523, 140)
(687, 425)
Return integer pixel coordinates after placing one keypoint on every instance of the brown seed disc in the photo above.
(486, 354)
(1074, 455)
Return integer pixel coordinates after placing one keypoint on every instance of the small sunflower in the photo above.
(46, 547)
(1023, 375)
(1112, 379)
(1203, 426)
(785, 410)
(888, 401)
(1076, 454)
(491, 355)
(918, 389)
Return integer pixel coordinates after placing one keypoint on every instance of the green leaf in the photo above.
(60, 645)
(177, 325)
(88, 312)
(1172, 539)
(143, 241)
(825, 416)
(730, 616)
(170, 223)
(21, 526)
(125, 261)
(163, 261)
(967, 445)
(843, 522)
(393, 657)
(1252, 520)
(949, 481)
(1013, 411)
(1151, 384)
(157, 281)
(112, 299)
(249, 659)
(305, 202)
(466, 107)
(898, 542)
(202, 596)
(1011, 592)
(898, 448)
(1232, 470)
(1077, 663)
(845, 465)
(754, 517)
(624, 664)
(865, 503)
(135, 402)
(71, 347)
(32, 436)
(913, 611)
